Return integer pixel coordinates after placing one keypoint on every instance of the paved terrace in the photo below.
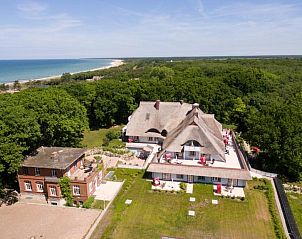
(83, 173)
(232, 159)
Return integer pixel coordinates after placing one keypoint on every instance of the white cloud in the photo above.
(31, 8)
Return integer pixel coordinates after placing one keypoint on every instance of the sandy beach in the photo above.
(114, 63)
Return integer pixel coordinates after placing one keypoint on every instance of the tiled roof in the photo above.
(53, 157)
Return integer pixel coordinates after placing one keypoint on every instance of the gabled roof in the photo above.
(54, 157)
(183, 122)
(199, 127)
(147, 117)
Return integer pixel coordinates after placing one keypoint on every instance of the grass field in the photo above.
(156, 214)
(96, 138)
(295, 201)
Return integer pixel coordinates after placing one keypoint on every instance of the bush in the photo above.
(113, 134)
(183, 186)
(271, 205)
(88, 202)
(98, 158)
(261, 187)
(242, 198)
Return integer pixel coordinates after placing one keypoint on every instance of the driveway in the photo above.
(43, 221)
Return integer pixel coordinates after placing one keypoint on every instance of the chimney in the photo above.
(181, 102)
(157, 104)
(195, 106)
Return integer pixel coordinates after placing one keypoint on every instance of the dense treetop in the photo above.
(260, 98)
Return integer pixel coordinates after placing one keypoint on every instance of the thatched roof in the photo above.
(242, 174)
(182, 122)
(199, 127)
(148, 121)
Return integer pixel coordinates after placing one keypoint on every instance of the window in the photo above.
(53, 191)
(54, 173)
(28, 186)
(25, 171)
(166, 176)
(37, 171)
(40, 187)
(179, 176)
(215, 179)
(192, 153)
(201, 178)
(76, 190)
(150, 138)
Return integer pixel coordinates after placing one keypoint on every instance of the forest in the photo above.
(259, 98)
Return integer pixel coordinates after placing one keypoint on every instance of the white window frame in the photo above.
(40, 187)
(53, 190)
(28, 186)
(37, 172)
(54, 173)
(150, 139)
(76, 190)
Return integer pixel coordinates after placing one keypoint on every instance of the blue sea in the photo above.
(11, 70)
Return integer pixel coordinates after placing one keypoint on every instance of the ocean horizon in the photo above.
(21, 70)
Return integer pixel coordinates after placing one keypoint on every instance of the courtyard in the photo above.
(43, 221)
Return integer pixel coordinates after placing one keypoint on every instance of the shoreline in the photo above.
(114, 63)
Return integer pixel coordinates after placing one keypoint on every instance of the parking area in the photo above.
(43, 221)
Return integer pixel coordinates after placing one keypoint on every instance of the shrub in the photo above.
(271, 205)
(88, 202)
(98, 158)
(242, 198)
(113, 134)
(183, 185)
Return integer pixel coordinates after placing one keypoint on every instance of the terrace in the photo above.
(82, 173)
(231, 156)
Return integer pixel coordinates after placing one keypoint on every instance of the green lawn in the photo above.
(156, 214)
(95, 138)
(295, 201)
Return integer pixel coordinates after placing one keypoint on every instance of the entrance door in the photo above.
(190, 178)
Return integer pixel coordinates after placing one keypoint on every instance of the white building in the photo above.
(193, 144)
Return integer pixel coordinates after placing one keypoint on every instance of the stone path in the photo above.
(189, 188)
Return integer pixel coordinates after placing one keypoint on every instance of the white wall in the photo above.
(223, 181)
(146, 140)
(187, 155)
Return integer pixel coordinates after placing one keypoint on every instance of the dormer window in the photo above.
(25, 171)
(37, 171)
(54, 173)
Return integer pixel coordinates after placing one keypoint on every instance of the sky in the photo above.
(32, 29)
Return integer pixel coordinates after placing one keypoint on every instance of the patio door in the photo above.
(166, 176)
(190, 178)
